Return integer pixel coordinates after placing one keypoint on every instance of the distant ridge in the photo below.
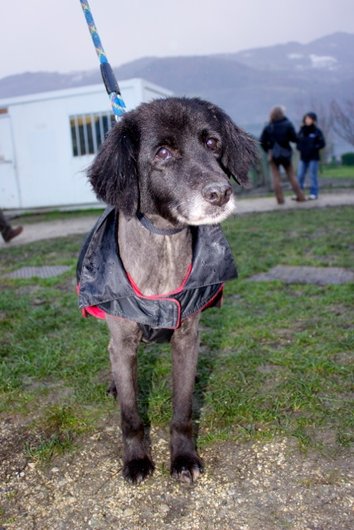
(246, 84)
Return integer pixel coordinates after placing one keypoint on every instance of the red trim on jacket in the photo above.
(211, 301)
(160, 296)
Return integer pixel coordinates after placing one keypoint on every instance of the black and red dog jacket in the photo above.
(105, 287)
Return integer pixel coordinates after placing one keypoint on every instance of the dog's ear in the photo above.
(239, 150)
(114, 172)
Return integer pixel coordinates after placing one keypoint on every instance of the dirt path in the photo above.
(81, 225)
(258, 486)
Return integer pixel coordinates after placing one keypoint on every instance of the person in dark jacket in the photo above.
(310, 141)
(275, 140)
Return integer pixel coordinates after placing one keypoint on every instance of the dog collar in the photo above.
(159, 231)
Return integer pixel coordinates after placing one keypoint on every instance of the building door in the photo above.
(9, 190)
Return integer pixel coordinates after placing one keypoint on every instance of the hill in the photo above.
(246, 84)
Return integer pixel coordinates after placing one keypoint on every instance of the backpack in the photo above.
(280, 152)
(277, 150)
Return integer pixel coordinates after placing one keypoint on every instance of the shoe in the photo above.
(13, 232)
(312, 197)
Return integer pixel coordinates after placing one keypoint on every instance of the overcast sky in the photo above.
(38, 35)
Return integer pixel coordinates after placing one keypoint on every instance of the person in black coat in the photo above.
(310, 141)
(275, 140)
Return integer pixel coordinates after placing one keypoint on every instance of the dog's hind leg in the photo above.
(125, 337)
(185, 462)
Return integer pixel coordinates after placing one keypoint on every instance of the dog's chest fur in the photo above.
(157, 264)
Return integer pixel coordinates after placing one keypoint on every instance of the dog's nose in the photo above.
(217, 193)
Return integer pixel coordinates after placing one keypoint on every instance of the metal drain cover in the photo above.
(312, 275)
(38, 272)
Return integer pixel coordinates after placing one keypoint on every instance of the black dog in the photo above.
(157, 257)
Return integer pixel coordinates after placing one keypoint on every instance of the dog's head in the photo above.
(173, 157)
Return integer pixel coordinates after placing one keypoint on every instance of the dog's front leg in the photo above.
(125, 337)
(185, 462)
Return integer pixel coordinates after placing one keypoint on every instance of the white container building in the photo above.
(48, 140)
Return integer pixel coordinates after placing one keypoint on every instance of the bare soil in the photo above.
(255, 486)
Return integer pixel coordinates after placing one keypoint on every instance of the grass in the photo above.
(56, 431)
(54, 215)
(276, 359)
(343, 172)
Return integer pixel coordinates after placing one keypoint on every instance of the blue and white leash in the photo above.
(107, 73)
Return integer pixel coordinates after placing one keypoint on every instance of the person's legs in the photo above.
(5, 226)
(6, 229)
(277, 182)
(301, 173)
(313, 170)
(294, 183)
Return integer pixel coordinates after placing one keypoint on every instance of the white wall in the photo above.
(9, 185)
(46, 171)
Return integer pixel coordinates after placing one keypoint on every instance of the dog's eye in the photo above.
(163, 153)
(212, 144)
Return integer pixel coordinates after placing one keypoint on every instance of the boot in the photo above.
(13, 232)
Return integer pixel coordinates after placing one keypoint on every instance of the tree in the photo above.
(343, 120)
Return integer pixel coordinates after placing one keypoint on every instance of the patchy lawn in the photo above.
(275, 361)
(342, 172)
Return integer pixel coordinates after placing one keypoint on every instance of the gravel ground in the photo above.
(255, 486)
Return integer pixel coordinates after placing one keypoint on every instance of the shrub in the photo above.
(348, 159)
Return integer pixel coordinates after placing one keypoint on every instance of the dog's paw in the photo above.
(187, 468)
(136, 470)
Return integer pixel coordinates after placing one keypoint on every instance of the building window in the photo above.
(88, 131)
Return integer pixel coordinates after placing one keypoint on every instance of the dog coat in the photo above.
(105, 287)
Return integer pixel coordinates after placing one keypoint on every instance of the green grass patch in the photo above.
(276, 359)
(55, 215)
(57, 430)
(342, 172)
